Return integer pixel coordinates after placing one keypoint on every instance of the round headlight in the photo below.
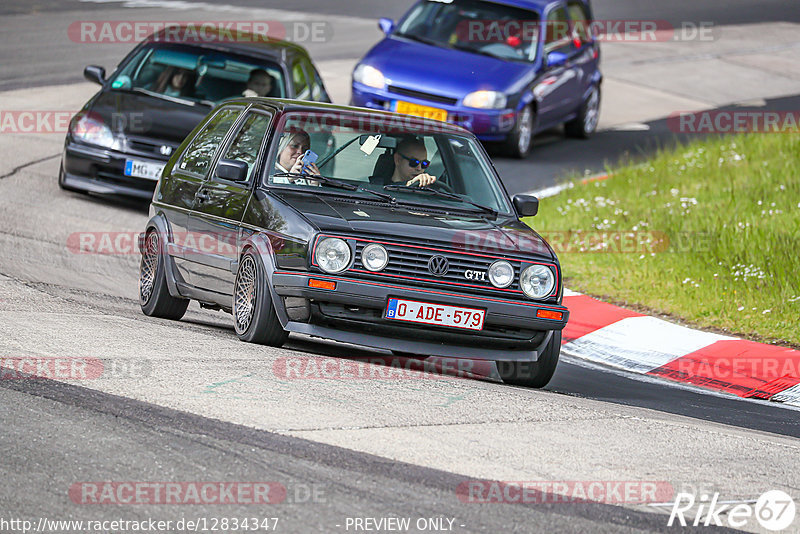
(501, 274)
(374, 257)
(537, 281)
(332, 255)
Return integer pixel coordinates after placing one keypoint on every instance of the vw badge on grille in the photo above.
(165, 150)
(438, 265)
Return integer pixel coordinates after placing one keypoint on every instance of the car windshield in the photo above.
(197, 74)
(385, 158)
(475, 26)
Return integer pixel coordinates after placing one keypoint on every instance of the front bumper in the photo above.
(486, 124)
(354, 313)
(100, 170)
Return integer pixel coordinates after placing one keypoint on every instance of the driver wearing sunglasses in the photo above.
(410, 162)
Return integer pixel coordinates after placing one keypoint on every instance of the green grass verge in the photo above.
(709, 233)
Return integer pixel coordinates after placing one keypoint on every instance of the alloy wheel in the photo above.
(245, 294)
(148, 267)
(525, 128)
(592, 114)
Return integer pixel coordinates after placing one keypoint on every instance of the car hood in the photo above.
(443, 71)
(468, 233)
(143, 116)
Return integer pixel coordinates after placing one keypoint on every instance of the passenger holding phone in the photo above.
(290, 159)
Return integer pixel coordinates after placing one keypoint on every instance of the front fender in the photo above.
(158, 223)
(262, 245)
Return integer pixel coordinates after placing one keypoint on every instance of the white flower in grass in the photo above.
(740, 308)
(765, 312)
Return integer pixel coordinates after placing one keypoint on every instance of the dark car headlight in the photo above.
(537, 281)
(94, 132)
(332, 255)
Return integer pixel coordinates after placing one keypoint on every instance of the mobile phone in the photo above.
(308, 158)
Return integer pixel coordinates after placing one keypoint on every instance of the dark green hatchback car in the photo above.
(360, 226)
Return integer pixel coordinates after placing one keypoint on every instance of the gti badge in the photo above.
(469, 274)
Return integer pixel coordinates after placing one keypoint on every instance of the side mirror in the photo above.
(555, 59)
(386, 25)
(95, 74)
(232, 169)
(526, 205)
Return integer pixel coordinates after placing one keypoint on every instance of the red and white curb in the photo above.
(606, 334)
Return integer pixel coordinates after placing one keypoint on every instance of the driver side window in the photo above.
(200, 153)
(558, 37)
(247, 144)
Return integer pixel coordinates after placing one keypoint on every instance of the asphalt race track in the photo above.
(190, 403)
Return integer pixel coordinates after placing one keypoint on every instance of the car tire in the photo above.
(533, 374)
(154, 296)
(585, 124)
(254, 316)
(519, 142)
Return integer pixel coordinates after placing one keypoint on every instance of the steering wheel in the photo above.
(440, 184)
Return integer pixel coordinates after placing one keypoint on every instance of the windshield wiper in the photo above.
(336, 183)
(420, 39)
(476, 51)
(443, 194)
(317, 178)
(163, 97)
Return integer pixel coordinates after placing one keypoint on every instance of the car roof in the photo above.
(221, 40)
(285, 105)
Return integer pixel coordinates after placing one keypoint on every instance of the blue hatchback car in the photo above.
(504, 70)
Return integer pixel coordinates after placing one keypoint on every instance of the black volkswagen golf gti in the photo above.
(401, 238)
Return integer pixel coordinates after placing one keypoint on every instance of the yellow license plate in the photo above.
(421, 111)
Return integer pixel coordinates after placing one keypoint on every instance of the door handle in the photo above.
(200, 196)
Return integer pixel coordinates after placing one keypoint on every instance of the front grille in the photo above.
(422, 96)
(411, 263)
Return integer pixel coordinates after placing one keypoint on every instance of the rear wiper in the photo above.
(426, 191)
(336, 183)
